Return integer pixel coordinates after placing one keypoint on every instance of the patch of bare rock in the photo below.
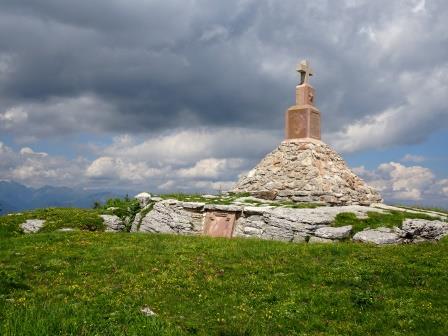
(32, 225)
(113, 223)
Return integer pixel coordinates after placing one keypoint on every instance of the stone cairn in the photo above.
(303, 168)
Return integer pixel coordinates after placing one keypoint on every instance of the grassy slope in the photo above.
(94, 283)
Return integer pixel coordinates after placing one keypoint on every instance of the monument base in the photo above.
(307, 170)
(302, 122)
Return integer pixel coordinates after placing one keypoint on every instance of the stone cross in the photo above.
(305, 72)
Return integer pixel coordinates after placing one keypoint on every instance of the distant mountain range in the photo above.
(17, 197)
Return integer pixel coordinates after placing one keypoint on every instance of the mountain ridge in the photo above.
(18, 197)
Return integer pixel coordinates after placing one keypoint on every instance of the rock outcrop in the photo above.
(174, 217)
(32, 225)
(143, 198)
(422, 229)
(285, 224)
(307, 170)
(378, 236)
(265, 222)
(113, 223)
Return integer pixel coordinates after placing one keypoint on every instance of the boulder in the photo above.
(143, 198)
(330, 232)
(113, 223)
(378, 236)
(423, 229)
(170, 216)
(32, 225)
(136, 222)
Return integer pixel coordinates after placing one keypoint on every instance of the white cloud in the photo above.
(215, 32)
(403, 124)
(188, 160)
(443, 185)
(119, 170)
(210, 168)
(413, 158)
(419, 7)
(38, 168)
(186, 146)
(27, 151)
(56, 116)
(398, 182)
(12, 118)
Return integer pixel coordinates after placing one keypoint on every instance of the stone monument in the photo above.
(303, 168)
(303, 119)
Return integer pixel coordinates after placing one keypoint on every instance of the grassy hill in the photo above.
(96, 283)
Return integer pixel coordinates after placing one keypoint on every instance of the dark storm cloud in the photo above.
(157, 65)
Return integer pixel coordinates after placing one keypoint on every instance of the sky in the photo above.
(187, 95)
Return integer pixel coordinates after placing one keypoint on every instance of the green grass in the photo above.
(231, 197)
(95, 283)
(376, 219)
(56, 218)
(219, 199)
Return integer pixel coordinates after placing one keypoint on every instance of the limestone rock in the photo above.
(378, 236)
(136, 222)
(113, 223)
(223, 207)
(32, 225)
(307, 170)
(285, 224)
(330, 232)
(147, 311)
(170, 216)
(423, 229)
(143, 198)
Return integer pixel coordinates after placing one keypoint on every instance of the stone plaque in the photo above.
(296, 123)
(219, 224)
(315, 125)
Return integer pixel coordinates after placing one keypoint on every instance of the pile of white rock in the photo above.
(307, 170)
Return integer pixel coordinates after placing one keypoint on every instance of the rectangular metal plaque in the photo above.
(219, 224)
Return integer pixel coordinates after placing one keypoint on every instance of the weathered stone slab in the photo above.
(330, 232)
(170, 216)
(378, 236)
(223, 207)
(425, 229)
